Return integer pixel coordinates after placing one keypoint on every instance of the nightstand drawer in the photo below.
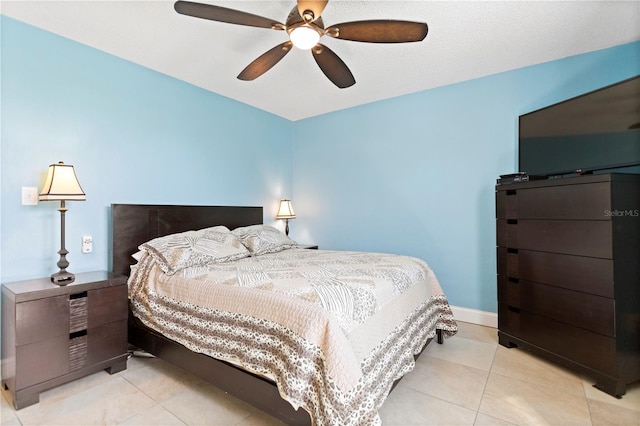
(106, 341)
(41, 361)
(107, 305)
(30, 326)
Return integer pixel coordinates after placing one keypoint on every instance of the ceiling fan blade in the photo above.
(223, 14)
(332, 66)
(265, 62)
(314, 6)
(380, 31)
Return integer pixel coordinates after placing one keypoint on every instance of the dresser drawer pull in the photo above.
(512, 250)
(514, 280)
(512, 221)
(514, 309)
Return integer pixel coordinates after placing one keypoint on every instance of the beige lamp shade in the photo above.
(62, 184)
(286, 210)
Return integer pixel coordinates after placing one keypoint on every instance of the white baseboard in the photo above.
(474, 316)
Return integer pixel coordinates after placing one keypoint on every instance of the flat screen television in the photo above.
(592, 133)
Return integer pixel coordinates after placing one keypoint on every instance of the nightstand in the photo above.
(52, 335)
(308, 246)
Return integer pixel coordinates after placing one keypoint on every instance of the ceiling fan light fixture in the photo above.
(304, 37)
(305, 28)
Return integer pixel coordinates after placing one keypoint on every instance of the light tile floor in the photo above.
(470, 380)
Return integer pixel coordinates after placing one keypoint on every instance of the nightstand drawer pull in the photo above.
(78, 350)
(77, 334)
(107, 305)
(78, 312)
(78, 295)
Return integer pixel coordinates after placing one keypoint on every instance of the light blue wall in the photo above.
(412, 175)
(416, 174)
(133, 135)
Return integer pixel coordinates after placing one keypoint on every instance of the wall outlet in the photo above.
(87, 244)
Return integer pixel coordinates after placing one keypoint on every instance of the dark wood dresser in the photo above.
(52, 335)
(569, 273)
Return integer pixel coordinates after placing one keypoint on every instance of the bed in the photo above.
(334, 368)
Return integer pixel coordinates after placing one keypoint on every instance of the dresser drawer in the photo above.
(509, 291)
(594, 313)
(508, 262)
(506, 204)
(585, 347)
(42, 319)
(507, 233)
(584, 274)
(509, 320)
(565, 202)
(587, 311)
(107, 305)
(582, 238)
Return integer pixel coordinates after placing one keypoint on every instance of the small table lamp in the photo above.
(286, 212)
(61, 185)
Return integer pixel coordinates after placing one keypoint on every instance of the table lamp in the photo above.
(286, 212)
(62, 185)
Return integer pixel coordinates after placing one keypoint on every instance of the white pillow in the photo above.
(137, 255)
(195, 248)
(262, 239)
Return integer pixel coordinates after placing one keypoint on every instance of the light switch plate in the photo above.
(29, 196)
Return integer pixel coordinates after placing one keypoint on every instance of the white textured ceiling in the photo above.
(466, 40)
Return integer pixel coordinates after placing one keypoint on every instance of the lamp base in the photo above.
(62, 278)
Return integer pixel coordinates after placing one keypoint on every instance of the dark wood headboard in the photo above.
(134, 224)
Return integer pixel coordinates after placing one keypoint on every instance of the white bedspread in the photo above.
(333, 329)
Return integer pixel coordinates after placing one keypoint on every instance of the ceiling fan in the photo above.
(305, 28)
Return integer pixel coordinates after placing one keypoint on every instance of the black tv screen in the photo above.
(595, 132)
